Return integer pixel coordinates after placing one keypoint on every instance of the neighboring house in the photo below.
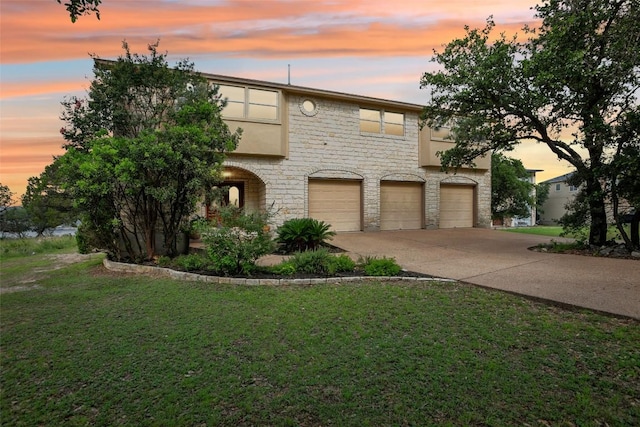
(356, 162)
(560, 194)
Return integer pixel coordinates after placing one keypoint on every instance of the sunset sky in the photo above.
(368, 47)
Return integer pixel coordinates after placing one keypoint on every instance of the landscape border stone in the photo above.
(122, 267)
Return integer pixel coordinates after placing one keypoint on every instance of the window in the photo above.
(369, 121)
(394, 124)
(557, 187)
(376, 121)
(573, 188)
(249, 103)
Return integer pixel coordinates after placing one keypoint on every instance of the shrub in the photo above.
(191, 262)
(163, 261)
(240, 239)
(285, 268)
(343, 263)
(301, 234)
(321, 262)
(381, 267)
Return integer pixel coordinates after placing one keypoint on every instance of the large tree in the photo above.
(568, 86)
(142, 149)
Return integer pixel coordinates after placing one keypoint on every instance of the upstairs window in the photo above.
(249, 103)
(370, 121)
(393, 123)
(380, 121)
(557, 187)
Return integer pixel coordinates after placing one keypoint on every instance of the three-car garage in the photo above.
(339, 202)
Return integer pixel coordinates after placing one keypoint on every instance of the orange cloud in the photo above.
(22, 89)
(22, 158)
(263, 29)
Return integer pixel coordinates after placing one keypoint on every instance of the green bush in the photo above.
(240, 239)
(381, 267)
(301, 234)
(285, 268)
(164, 261)
(191, 262)
(343, 263)
(321, 262)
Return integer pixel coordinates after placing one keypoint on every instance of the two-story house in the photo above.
(561, 193)
(356, 162)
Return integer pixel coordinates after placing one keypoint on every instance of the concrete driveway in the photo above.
(501, 260)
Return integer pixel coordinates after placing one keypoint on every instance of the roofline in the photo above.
(561, 178)
(302, 90)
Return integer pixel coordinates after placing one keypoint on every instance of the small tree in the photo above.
(142, 150)
(15, 220)
(512, 194)
(46, 203)
(6, 198)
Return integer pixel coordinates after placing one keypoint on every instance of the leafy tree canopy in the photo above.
(6, 198)
(77, 8)
(578, 74)
(46, 203)
(142, 149)
(512, 194)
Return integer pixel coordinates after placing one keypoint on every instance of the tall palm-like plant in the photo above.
(301, 234)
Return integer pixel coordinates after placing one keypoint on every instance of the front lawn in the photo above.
(556, 230)
(542, 230)
(92, 347)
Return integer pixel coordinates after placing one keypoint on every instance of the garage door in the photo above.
(401, 205)
(456, 206)
(336, 202)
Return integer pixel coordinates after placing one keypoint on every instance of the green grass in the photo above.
(555, 231)
(542, 230)
(12, 248)
(98, 348)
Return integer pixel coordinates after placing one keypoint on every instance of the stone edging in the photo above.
(192, 277)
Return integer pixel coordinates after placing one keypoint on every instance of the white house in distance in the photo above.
(356, 162)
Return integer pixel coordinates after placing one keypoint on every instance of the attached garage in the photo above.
(401, 205)
(456, 206)
(337, 202)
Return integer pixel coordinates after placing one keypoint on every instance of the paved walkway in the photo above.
(501, 260)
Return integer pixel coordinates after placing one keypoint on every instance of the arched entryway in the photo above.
(240, 188)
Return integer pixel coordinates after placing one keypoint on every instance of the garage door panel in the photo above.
(456, 206)
(401, 206)
(336, 202)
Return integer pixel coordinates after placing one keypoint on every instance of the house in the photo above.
(560, 194)
(356, 162)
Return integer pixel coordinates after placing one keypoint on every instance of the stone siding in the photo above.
(329, 144)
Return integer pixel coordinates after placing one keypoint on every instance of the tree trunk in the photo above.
(635, 229)
(598, 213)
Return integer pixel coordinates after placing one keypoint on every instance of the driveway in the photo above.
(501, 260)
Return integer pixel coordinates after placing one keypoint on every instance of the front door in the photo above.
(233, 195)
